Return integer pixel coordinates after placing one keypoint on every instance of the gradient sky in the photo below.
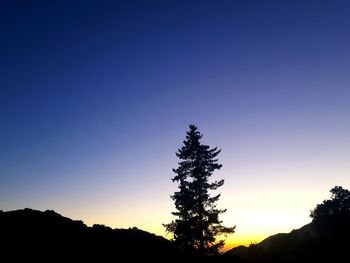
(95, 99)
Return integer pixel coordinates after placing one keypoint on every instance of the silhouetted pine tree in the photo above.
(197, 224)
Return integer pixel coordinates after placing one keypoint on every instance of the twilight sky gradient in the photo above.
(96, 98)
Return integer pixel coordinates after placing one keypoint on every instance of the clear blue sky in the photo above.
(96, 96)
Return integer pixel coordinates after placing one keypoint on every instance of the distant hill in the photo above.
(35, 234)
(324, 239)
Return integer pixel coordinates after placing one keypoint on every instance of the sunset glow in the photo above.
(95, 101)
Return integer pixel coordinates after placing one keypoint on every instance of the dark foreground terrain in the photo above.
(49, 237)
(324, 240)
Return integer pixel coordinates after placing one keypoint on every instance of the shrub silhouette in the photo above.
(338, 203)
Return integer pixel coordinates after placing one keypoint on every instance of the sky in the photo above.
(96, 98)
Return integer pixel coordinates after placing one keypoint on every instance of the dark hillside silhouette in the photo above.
(33, 234)
(327, 237)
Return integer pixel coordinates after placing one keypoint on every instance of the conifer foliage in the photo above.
(197, 226)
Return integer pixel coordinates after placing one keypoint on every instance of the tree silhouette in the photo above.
(339, 203)
(197, 224)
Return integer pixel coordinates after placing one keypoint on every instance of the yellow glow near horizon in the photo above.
(258, 208)
(254, 222)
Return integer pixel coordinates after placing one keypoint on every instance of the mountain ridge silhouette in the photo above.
(29, 233)
(320, 240)
(46, 236)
